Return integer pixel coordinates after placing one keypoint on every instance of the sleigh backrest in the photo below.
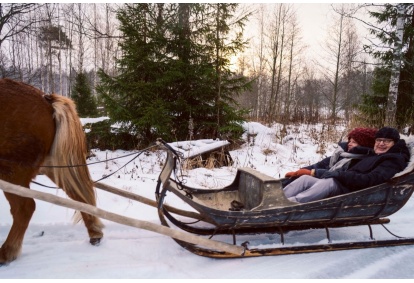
(410, 165)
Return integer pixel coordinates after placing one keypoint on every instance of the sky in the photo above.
(314, 21)
(315, 18)
(54, 248)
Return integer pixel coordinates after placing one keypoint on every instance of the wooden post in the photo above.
(148, 201)
(92, 210)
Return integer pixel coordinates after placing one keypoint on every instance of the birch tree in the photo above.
(390, 116)
(394, 28)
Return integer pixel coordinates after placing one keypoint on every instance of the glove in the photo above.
(298, 173)
(330, 174)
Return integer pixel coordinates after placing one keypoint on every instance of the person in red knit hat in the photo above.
(360, 143)
(362, 137)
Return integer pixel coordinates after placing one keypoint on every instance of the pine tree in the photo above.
(167, 74)
(373, 105)
(223, 46)
(83, 97)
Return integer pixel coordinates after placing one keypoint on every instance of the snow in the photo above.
(85, 121)
(55, 248)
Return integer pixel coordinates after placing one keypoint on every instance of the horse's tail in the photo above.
(66, 162)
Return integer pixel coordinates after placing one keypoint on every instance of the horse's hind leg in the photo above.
(78, 186)
(92, 223)
(22, 210)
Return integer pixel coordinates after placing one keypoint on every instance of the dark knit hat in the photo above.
(363, 136)
(388, 133)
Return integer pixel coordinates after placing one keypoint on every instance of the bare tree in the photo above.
(336, 49)
(351, 51)
(259, 63)
(295, 49)
(340, 51)
(276, 46)
(16, 28)
(11, 20)
(276, 61)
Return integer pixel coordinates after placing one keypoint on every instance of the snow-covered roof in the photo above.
(193, 148)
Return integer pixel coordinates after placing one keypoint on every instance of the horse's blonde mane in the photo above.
(68, 149)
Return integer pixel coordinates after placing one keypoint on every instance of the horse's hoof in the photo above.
(95, 241)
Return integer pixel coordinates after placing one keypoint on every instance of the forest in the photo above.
(186, 71)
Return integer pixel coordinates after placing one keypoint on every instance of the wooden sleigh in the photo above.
(254, 204)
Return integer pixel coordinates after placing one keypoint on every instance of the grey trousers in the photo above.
(307, 188)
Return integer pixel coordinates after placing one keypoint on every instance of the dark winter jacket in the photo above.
(322, 166)
(375, 169)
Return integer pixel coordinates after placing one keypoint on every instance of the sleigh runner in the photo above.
(254, 204)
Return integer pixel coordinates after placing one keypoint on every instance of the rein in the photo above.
(107, 176)
(76, 165)
(82, 165)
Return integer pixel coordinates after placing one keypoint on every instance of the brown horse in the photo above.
(41, 130)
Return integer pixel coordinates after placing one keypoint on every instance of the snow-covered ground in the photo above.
(55, 248)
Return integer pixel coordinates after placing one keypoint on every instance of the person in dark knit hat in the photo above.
(389, 156)
(389, 133)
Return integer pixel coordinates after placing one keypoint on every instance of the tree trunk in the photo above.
(218, 68)
(272, 101)
(390, 119)
(336, 80)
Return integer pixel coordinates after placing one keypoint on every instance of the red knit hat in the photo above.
(363, 136)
